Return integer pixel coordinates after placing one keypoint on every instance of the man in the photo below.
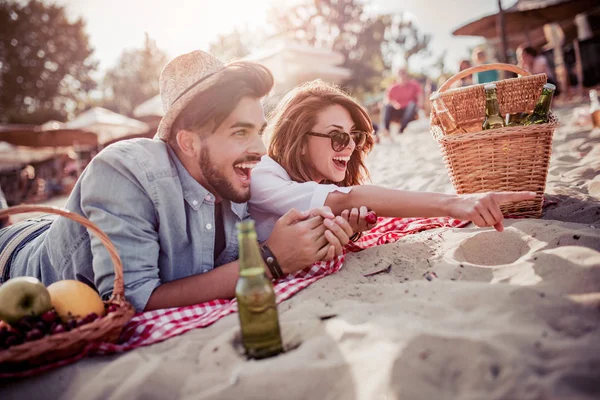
(479, 57)
(170, 205)
(402, 102)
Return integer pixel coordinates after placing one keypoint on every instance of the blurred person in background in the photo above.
(479, 57)
(466, 81)
(529, 59)
(402, 102)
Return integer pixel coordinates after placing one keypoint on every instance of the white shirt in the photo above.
(273, 193)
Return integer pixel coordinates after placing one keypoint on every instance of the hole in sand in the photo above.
(492, 248)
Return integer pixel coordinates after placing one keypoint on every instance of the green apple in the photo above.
(21, 297)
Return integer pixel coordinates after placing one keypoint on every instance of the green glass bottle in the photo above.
(542, 107)
(259, 320)
(515, 119)
(492, 120)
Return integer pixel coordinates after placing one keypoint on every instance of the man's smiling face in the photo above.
(228, 155)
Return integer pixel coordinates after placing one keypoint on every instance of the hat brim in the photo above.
(166, 123)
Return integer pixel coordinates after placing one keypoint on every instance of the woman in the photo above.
(318, 138)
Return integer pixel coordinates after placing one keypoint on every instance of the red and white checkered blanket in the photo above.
(155, 326)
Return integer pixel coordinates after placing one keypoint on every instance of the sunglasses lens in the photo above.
(339, 141)
(360, 138)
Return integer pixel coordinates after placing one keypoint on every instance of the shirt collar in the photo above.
(195, 194)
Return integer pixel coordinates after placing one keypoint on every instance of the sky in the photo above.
(180, 26)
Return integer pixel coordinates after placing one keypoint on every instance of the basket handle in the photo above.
(481, 68)
(118, 289)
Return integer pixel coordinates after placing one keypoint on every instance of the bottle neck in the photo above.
(249, 256)
(491, 104)
(543, 105)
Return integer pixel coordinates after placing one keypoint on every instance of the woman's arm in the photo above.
(483, 209)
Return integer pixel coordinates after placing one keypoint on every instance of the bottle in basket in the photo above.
(515, 119)
(492, 119)
(595, 108)
(446, 119)
(254, 292)
(542, 107)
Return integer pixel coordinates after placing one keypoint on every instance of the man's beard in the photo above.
(217, 180)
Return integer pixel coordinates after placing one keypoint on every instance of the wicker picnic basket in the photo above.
(58, 346)
(507, 159)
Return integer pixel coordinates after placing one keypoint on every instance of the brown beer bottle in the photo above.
(446, 119)
(492, 119)
(542, 107)
(259, 320)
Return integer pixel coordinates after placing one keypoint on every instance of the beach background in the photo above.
(463, 313)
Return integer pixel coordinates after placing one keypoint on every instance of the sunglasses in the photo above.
(340, 139)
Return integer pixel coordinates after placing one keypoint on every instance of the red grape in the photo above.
(42, 326)
(58, 329)
(90, 318)
(34, 334)
(50, 316)
(72, 324)
(13, 340)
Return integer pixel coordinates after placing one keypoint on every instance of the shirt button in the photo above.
(209, 226)
(208, 197)
(195, 202)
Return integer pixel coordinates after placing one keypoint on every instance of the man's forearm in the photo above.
(216, 284)
(390, 202)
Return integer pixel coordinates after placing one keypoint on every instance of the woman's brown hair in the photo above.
(296, 114)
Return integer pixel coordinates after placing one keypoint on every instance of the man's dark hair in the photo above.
(209, 108)
(530, 50)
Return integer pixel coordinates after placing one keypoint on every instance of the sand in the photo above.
(512, 315)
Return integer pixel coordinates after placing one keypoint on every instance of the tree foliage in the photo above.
(404, 37)
(343, 26)
(135, 78)
(234, 45)
(45, 62)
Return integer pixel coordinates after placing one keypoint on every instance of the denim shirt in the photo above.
(160, 219)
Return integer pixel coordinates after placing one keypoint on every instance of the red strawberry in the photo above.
(371, 217)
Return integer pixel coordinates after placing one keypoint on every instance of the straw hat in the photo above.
(182, 79)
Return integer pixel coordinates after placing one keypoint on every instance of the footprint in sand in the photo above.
(492, 248)
(594, 187)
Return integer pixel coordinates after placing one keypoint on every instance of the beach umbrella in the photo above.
(152, 107)
(525, 16)
(107, 124)
(38, 137)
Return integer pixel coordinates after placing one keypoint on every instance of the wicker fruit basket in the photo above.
(54, 347)
(512, 158)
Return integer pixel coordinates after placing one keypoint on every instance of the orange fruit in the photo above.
(74, 299)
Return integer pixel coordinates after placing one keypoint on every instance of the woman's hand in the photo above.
(336, 230)
(483, 209)
(359, 219)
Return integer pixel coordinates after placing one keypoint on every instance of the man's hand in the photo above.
(298, 241)
(357, 218)
(395, 104)
(483, 209)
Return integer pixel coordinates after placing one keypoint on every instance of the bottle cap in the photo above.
(550, 86)
(490, 86)
(434, 96)
(246, 225)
